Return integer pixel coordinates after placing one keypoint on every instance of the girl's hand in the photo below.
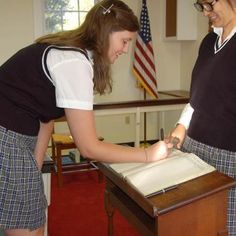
(177, 136)
(158, 151)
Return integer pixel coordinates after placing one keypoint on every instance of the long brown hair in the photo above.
(93, 35)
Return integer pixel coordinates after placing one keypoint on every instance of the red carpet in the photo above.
(78, 208)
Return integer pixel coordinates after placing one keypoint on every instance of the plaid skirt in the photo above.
(225, 162)
(22, 199)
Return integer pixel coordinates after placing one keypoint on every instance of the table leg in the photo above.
(59, 167)
(110, 212)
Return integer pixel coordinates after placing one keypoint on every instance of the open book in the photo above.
(152, 178)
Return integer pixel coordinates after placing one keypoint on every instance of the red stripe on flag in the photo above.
(145, 55)
(145, 69)
(142, 80)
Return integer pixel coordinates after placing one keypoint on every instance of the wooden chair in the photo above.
(60, 142)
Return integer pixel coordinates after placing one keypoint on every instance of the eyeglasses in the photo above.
(206, 6)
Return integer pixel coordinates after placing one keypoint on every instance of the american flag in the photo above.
(144, 64)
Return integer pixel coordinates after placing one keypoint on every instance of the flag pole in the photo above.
(145, 120)
(145, 143)
(144, 63)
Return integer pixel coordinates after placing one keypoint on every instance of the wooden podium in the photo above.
(196, 208)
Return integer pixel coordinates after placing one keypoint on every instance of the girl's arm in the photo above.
(82, 127)
(44, 136)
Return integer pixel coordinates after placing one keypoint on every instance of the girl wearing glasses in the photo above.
(207, 125)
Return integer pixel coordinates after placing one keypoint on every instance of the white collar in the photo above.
(219, 32)
(219, 44)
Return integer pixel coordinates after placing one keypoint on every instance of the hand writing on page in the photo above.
(158, 151)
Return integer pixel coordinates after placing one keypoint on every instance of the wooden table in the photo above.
(173, 100)
(196, 208)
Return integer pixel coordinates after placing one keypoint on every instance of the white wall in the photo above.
(189, 51)
(16, 24)
(174, 61)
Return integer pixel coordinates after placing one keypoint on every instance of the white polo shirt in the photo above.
(72, 75)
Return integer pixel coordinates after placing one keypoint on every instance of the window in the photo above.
(65, 14)
(57, 15)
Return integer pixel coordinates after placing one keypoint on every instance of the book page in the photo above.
(128, 168)
(151, 177)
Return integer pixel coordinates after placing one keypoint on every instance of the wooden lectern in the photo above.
(196, 208)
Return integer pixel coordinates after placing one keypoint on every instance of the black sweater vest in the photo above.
(213, 95)
(27, 95)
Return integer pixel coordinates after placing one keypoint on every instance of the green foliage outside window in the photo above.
(65, 14)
